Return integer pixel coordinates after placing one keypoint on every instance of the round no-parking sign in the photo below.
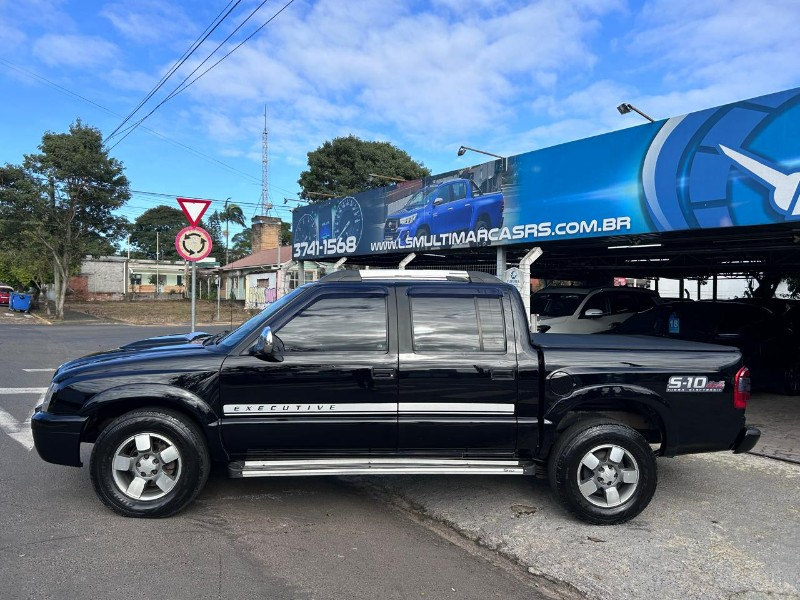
(193, 243)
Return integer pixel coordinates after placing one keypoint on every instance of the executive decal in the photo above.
(734, 165)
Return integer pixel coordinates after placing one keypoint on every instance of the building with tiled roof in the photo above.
(269, 272)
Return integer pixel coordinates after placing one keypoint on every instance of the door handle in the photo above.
(502, 374)
(383, 373)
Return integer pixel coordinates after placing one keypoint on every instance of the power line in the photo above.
(179, 63)
(181, 87)
(115, 114)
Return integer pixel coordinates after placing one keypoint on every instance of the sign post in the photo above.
(193, 243)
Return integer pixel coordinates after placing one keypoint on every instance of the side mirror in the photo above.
(438, 201)
(593, 313)
(268, 346)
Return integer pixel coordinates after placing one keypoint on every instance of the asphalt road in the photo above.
(274, 538)
(720, 526)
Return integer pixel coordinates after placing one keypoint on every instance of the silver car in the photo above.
(588, 310)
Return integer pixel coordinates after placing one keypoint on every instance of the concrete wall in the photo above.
(105, 275)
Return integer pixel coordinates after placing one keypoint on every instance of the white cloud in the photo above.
(430, 76)
(714, 52)
(74, 50)
(148, 21)
(136, 81)
(10, 38)
(46, 14)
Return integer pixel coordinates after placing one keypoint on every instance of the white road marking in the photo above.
(21, 432)
(39, 370)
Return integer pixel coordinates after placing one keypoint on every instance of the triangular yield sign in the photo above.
(194, 209)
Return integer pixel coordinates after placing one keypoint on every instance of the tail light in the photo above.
(741, 388)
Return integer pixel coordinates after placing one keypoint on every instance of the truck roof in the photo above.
(405, 275)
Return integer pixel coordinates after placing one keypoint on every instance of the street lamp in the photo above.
(462, 150)
(626, 107)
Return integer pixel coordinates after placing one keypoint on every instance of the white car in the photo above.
(588, 310)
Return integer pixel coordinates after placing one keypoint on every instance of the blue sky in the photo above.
(506, 77)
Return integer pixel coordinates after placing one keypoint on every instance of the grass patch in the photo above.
(164, 312)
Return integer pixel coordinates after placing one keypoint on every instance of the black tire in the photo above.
(621, 453)
(423, 232)
(482, 223)
(176, 458)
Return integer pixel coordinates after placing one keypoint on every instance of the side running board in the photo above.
(378, 466)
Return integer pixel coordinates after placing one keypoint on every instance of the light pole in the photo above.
(462, 150)
(626, 107)
(227, 226)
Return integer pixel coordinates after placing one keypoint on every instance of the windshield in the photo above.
(419, 199)
(256, 321)
(555, 304)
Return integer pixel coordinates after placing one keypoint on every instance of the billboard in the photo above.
(734, 165)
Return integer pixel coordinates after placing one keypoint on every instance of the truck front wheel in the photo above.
(149, 463)
(602, 471)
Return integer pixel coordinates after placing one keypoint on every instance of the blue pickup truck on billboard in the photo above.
(729, 166)
(452, 206)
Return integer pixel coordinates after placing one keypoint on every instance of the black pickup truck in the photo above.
(382, 372)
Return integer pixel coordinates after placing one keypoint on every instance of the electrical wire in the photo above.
(181, 87)
(161, 136)
(179, 63)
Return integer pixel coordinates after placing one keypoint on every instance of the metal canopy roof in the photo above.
(771, 249)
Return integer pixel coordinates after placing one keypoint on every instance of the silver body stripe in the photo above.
(455, 407)
(448, 408)
(319, 408)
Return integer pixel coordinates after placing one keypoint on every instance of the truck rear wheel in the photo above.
(602, 471)
(149, 463)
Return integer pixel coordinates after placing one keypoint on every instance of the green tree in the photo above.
(343, 165)
(286, 234)
(761, 285)
(62, 200)
(241, 244)
(232, 213)
(162, 223)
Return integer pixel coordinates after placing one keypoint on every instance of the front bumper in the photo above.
(58, 437)
(748, 437)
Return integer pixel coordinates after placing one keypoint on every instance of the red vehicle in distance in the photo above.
(5, 294)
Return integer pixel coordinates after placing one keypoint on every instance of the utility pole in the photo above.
(156, 263)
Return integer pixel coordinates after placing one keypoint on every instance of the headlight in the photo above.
(408, 220)
(48, 396)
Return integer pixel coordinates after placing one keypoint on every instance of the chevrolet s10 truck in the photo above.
(452, 206)
(386, 372)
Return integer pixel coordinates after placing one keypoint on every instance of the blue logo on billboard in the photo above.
(725, 166)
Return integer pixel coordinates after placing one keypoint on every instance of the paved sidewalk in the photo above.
(778, 417)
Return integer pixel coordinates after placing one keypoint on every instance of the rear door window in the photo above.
(457, 324)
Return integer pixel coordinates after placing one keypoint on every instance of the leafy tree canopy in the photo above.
(160, 223)
(343, 165)
(61, 201)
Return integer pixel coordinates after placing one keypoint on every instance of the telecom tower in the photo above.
(266, 205)
(266, 226)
